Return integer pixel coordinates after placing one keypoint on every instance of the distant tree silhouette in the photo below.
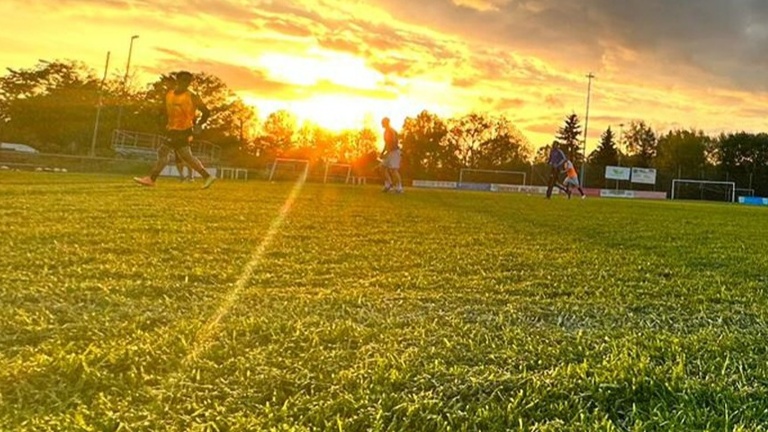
(569, 139)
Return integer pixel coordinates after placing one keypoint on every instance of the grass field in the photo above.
(258, 306)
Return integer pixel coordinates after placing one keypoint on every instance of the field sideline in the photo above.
(245, 307)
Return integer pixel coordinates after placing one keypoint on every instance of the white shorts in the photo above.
(571, 181)
(392, 160)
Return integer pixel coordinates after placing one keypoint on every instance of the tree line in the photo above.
(739, 157)
(52, 107)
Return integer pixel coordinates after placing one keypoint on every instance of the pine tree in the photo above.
(606, 153)
(568, 137)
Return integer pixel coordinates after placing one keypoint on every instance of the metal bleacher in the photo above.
(138, 145)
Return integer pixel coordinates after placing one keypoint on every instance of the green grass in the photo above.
(173, 308)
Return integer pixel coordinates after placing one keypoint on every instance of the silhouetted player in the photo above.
(390, 156)
(181, 106)
(556, 160)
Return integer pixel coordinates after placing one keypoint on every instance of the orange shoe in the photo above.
(144, 181)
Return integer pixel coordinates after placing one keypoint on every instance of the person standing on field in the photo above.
(390, 157)
(556, 160)
(181, 106)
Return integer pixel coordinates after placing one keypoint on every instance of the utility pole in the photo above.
(98, 109)
(621, 140)
(586, 127)
(125, 80)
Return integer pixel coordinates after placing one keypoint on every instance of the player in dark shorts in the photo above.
(181, 106)
(556, 160)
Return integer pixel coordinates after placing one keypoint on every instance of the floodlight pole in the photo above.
(125, 80)
(621, 140)
(586, 127)
(621, 137)
(98, 108)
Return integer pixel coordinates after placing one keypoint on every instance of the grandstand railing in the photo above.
(138, 145)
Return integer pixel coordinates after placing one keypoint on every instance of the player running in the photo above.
(390, 157)
(571, 179)
(181, 106)
(556, 160)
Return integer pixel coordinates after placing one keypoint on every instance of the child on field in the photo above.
(571, 179)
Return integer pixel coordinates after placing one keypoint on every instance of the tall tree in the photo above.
(743, 158)
(51, 106)
(641, 143)
(569, 139)
(682, 153)
(606, 153)
(277, 135)
(353, 144)
(505, 146)
(425, 151)
(465, 135)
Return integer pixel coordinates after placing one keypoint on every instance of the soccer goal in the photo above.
(745, 192)
(471, 175)
(288, 169)
(704, 190)
(337, 173)
(233, 173)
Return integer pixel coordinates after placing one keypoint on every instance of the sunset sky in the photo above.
(672, 63)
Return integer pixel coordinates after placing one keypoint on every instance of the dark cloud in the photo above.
(720, 38)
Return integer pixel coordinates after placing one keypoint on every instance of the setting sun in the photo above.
(333, 112)
(317, 66)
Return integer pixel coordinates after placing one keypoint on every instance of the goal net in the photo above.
(288, 169)
(337, 173)
(471, 175)
(703, 190)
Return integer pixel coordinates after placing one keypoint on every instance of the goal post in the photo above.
(704, 189)
(297, 165)
(340, 171)
(233, 173)
(491, 176)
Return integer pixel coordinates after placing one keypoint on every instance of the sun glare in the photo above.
(335, 112)
(319, 65)
(340, 91)
(332, 112)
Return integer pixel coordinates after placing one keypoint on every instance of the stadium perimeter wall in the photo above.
(536, 190)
